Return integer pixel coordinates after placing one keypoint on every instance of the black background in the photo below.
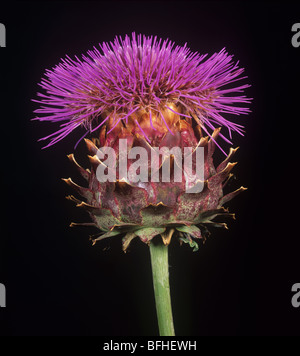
(239, 282)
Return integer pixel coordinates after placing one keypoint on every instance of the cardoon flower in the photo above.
(146, 97)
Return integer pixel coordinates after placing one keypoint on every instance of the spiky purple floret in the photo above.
(140, 73)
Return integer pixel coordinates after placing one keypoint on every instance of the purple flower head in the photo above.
(141, 73)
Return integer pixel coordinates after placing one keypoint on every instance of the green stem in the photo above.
(160, 272)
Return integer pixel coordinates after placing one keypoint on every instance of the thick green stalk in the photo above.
(160, 272)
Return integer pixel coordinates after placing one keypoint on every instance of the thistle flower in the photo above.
(142, 79)
(154, 95)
